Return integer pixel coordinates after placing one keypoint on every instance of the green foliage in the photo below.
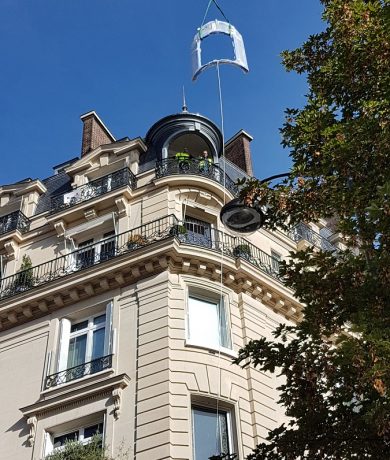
(336, 362)
(93, 450)
(25, 276)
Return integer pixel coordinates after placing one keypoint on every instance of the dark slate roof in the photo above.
(59, 183)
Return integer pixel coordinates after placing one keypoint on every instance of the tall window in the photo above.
(211, 433)
(207, 323)
(198, 232)
(83, 342)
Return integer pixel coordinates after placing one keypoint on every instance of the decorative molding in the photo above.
(32, 423)
(123, 206)
(60, 228)
(12, 249)
(90, 213)
(116, 395)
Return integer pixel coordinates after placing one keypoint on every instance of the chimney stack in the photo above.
(238, 151)
(95, 133)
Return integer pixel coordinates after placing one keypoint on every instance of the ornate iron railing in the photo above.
(172, 167)
(14, 221)
(93, 189)
(104, 250)
(303, 232)
(76, 372)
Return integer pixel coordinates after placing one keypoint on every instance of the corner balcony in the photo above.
(14, 221)
(301, 232)
(130, 241)
(93, 189)
(191, 166)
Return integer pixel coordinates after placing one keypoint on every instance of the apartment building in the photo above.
(123, 299)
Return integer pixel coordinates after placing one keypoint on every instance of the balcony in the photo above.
(173, 167)
(77, 372)
(14, 221)
(93, 189)
(124, 243)
(303, 232)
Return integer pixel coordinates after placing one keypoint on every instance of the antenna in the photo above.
(184, 109)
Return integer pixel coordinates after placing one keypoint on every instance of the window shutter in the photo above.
(48, 448)
(108, 331)
(63, 345)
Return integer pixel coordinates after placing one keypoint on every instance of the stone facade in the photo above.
(125, 258)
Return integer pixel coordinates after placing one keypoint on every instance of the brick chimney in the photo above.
(95, 133)
(238, 151)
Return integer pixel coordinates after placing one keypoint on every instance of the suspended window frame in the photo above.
(218, 27)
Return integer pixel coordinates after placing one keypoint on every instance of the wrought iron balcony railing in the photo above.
(115, 246)
(303, 232)
(172, 167)
(14, 221)
(76, 372)
(93, 189)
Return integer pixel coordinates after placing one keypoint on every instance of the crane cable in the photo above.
(219, 8)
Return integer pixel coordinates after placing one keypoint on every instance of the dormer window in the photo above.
(191, 143)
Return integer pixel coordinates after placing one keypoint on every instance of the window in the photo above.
(85, 341)
(276, 258)
(198, 232)
(57, 440)
(211, 432)
(90, 253)
(207, 323)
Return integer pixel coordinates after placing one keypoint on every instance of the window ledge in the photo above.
(214, 351)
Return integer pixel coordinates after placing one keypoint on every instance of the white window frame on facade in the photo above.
(215, 408)
(66, 335)
(195, 298)
(51, 435)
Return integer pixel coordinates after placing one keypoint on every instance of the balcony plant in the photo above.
(242, 250)
(136, 241)
(178, 229)
(24, 278)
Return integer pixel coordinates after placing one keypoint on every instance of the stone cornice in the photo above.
(125, 269)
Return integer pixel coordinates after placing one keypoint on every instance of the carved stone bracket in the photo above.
(60, 227)
(123, 206)
(32, 423)
(12, 249)
(116, 396)
(90, 214)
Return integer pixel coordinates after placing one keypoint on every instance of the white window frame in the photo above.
(66, 335)
(50, 436)
(230, 425)
(213, 298)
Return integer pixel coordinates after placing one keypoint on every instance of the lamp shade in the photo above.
(238, 217)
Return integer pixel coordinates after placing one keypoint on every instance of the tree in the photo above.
(336, 362)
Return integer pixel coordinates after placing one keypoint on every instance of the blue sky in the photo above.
(128, 60)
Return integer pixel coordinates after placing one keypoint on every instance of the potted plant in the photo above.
(135, 241)
(178, 229)
(242, 250)
(24, 279)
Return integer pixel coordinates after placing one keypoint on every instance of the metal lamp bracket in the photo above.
(218, 27)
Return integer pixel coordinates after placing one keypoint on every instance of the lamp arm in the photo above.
(276, 176)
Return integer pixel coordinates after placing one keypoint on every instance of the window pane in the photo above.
(92, 430)
(77, 348)
(203, 322)
(61, 440)
(98, 343)
(79, 326)
(225, 335)
(99, 319)
(209, 437)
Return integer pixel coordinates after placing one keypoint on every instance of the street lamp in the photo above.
(242, 218)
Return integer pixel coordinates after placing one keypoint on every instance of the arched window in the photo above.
(188, 142)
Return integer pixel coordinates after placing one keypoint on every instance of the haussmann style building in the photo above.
(123, 299)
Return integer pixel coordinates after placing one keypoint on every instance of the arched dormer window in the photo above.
(190, 142)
